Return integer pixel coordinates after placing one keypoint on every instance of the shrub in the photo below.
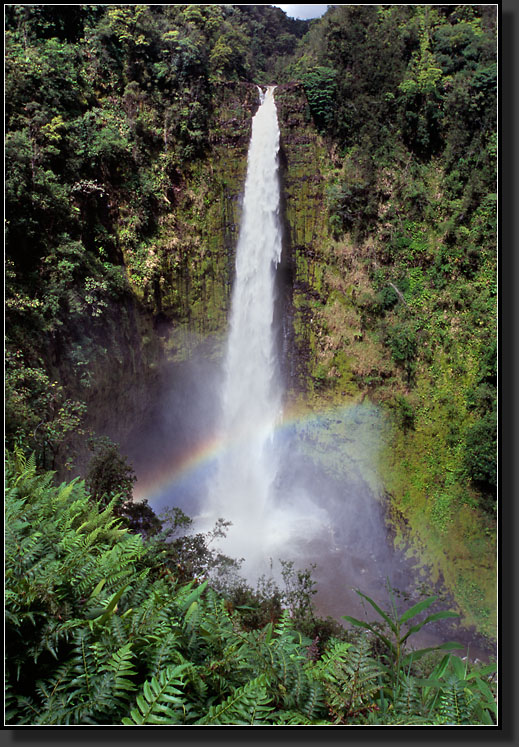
(481, 456)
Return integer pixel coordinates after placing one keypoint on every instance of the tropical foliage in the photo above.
(100, 631)
(407, 94)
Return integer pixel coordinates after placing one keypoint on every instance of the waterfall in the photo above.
(298, 486)
(296, 489)
(251, 398)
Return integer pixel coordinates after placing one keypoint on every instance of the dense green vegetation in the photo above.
(401, 291)
(109, 110)
(126, 133)
(408, 97)
(102, 630)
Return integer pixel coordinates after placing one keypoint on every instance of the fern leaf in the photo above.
(350, 677)
(291, 718)
(163, 650)
(407, 705)
(157, 699)
(453, 703)
(247, 705)
(121, 668)
(314, 704)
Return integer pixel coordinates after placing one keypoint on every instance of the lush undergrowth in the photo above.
(105, 627)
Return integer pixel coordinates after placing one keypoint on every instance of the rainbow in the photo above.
(206, 453)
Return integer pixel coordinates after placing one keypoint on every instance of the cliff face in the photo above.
(177, 288)
(333, 355)
(181, 288)
(302, 158)
(196, 242)
(190, 263)
(193, 251)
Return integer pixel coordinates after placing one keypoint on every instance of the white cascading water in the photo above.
(251, 399)
(265, 527)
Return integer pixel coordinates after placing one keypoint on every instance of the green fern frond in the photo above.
(454, 706)
(291, 718)
(86, 691)
(31, 462)
(407, 705)
(284, 624)
(159, 702)
(216, 621)
(314, 705)
(281, 664)
(350, 677)
(246, 706)
(294, 718)
(162, 649)
(196, 680)
(336, 652)
(121, 668)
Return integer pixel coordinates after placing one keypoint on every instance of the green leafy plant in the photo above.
(246, 706)
(159, 702)
(100, 632)
(350, 676)
(116, 641)
(396, 629)
(320, 88)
